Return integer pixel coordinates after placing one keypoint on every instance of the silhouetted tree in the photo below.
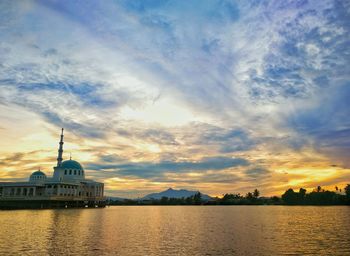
(189, 200)
(197, 198)
(290, 197)
(256, 193)
(302, 193)
(249, 196)
(275, 200)
(164, 200)
(321, 198)
(183, 200)
(347, 192)
(231, 199)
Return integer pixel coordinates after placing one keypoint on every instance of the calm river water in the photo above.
(177, 230)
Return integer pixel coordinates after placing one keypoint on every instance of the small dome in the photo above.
(71, 164)
(39, 173)
(37, 176)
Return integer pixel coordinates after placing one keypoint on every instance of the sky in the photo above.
(217, 96)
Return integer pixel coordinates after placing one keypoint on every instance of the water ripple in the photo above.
(177, 230)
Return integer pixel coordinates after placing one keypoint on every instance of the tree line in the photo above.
(318, 196)
(195, 199)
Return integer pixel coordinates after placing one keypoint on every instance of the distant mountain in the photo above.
(173, 193)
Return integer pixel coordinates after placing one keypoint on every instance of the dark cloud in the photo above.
(149, 169)
(327, 124)
(214, 11)
(85, 92)
(15, 157)
(257, 172)
(110, 158)
(158, 136)
(217, 177)
(85, 130)
(227, 140)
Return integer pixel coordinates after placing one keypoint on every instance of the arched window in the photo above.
(65, 172)
(70, 172)
(79, 172)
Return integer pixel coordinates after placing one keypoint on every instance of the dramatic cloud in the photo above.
(178, 93)
(145, 170)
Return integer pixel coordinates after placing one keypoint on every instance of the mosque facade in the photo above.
(67, 188)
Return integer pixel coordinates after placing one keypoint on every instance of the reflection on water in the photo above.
(178, 230)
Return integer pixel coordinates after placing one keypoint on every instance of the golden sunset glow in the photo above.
(149, 101)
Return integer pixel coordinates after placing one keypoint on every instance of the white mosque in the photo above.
(67, 188)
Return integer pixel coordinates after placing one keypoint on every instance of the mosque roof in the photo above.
(71, 164)
(38, 173)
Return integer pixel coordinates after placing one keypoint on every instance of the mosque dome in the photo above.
(71, 170)
(37, 176)
(71, 164)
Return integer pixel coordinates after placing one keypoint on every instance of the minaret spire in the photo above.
(60, 150)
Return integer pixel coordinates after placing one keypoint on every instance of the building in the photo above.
(66, 188)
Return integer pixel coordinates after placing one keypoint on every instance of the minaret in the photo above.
(60, 151)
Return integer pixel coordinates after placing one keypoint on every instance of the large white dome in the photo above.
(70, 170)
(71, 164)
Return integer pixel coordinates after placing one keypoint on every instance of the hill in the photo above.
(173, 193)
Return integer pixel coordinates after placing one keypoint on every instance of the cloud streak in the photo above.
(147, 169)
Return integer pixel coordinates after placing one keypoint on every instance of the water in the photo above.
(177, 230)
